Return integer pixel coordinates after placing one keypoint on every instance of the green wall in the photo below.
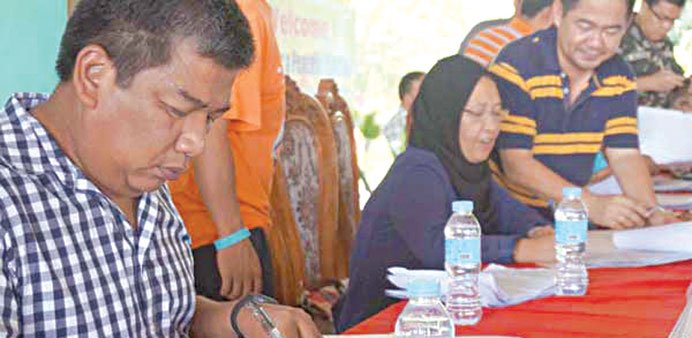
(30, 32)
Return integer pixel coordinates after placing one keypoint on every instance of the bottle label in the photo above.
(571, 232)
(463, 251)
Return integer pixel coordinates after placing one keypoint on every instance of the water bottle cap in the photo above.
(462, 206)
(422, 287)
(571, 192)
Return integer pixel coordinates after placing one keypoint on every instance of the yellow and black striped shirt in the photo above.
(564, 137)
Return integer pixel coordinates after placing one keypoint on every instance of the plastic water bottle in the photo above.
(571, 228)
(463, 264)
(424, 315)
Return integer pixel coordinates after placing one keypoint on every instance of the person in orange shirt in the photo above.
(488, 24)
(532, 15)
(227, 190)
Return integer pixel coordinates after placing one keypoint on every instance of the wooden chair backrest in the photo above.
(308, 162)
(288, 259)
(349, 206)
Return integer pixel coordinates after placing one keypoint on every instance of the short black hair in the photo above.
(679, 3)
(567, 5)
(139, 34)
(407, 81)
(679, 93)
(530, 8)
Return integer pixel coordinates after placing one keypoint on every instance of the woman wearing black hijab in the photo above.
(456, 120)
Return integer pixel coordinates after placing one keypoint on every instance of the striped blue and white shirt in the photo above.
(72, 265)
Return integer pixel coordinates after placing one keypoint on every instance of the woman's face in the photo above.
(480, 121)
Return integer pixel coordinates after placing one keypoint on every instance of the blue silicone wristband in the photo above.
(231, 239)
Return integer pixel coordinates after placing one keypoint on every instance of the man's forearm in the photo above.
(533, 175)
(215, 177)
(644, 84)
(632, 173)
(212, 319)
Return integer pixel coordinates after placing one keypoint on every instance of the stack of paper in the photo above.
(672, 185)
(668, 238)
(499, 285)
(610, 186)
(399, 276)
(514, 286)
(672, 146)
(637, 248)
(675, 201)
(601, 252)
(634, 258)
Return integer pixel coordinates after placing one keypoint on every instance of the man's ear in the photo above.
(93, 71)
(557, 12)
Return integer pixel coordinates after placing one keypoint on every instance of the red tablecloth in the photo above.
(622, 302)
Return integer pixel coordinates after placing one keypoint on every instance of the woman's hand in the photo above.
(539, 249)
(540, 231)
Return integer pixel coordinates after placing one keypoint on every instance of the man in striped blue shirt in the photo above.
(569, 95)
(90, 242)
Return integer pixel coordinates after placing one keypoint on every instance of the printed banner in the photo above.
(317, 40)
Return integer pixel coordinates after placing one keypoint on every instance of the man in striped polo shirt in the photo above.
(487, 24)
(569, 95)
(533, 15)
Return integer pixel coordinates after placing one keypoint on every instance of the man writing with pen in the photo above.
(91, 243)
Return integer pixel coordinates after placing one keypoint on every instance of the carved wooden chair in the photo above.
(288, 260)
(349, 206)
(308, 164)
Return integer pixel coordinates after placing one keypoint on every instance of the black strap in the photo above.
(251, 298)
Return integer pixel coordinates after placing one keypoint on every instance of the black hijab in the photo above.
(436, 115)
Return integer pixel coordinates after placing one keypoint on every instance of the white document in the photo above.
(633, 258)
(667, 238)
(601, 252)
(399, 277)
(499, 285)
(608, 186)
(672, 185)
(675, 201)
(514, 286)
(665, 135)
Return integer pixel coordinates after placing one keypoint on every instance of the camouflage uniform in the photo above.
(647, 57)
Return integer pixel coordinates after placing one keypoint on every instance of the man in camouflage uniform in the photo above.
(650, 53)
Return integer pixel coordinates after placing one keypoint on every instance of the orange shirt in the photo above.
(484, 47)
(255, 121)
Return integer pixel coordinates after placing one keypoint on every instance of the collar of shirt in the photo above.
(33, 150)
(37, 152)
(72, 264)
(548, 46)
(521, 26)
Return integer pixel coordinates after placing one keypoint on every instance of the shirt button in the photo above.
(565, 90)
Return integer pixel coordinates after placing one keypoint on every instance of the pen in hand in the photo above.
(267, 322)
